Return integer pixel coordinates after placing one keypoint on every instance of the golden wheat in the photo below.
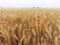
(20, 26)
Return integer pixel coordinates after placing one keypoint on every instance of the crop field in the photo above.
(29, 26)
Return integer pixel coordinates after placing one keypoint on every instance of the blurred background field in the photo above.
(19, 26)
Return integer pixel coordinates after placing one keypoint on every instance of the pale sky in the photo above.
(30, 3)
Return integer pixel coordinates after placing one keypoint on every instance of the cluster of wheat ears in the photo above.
(20, 26)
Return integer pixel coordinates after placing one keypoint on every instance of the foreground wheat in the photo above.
(20, 27)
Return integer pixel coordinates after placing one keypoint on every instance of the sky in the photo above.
(30, 3)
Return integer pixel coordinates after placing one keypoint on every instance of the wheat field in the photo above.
(22, 26)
